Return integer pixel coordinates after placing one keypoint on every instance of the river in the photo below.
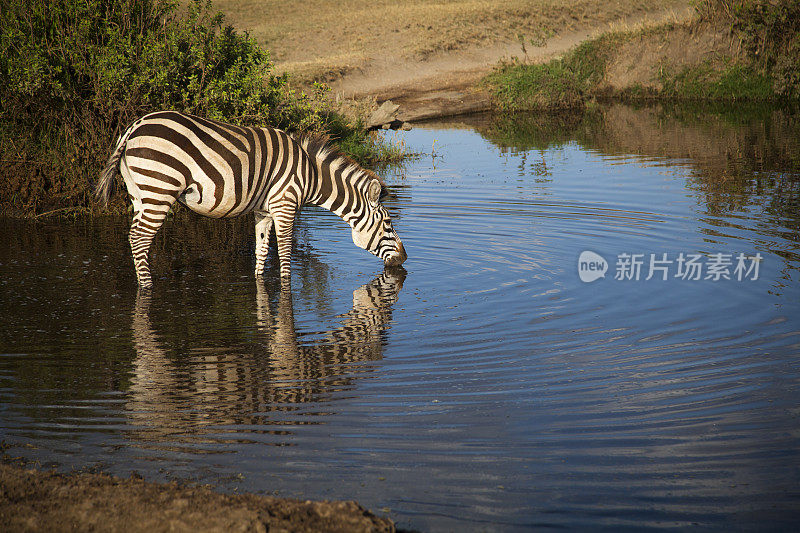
(598, 327)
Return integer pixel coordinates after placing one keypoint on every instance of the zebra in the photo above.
(222, 170)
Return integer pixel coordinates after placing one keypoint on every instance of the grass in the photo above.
(376, 150)
(563, 83)
(705, 81)
(552, 85)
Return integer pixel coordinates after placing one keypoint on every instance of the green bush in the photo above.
(734, 81)
(551, 85)
(770, 34)
(73, 75)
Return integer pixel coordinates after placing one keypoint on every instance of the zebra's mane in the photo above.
(320, 148)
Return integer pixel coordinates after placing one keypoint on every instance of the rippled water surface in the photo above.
(488, 388)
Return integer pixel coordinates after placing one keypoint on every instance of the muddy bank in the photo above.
(32, 500)
(679, 57)
(640, 64)
(453, 83)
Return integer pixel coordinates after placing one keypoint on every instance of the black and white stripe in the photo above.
(222, 170)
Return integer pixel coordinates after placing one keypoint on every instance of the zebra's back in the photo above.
(215, 169)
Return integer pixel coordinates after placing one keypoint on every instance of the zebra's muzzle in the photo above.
(397, 258)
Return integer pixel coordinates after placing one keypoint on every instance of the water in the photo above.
(488, 388)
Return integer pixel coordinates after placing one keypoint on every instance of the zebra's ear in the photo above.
(374, 192)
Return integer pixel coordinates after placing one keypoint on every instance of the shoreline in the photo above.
(33, 499)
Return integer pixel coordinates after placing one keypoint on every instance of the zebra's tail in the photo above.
(105, 187)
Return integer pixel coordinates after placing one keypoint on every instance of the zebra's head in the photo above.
(373, 230)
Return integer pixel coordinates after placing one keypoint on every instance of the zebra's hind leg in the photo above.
(263, 227)
(144, 227)
(152, 194)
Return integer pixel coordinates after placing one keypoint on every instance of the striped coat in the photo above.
(221, 170)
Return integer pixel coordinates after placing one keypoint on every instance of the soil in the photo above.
(427, 55)
(448, 84)
(32, 500)
(683, 45)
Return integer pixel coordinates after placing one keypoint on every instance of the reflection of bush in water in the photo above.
(201, 248)
(738, 152)
(535, 131)
(78, 295)
(742, 156)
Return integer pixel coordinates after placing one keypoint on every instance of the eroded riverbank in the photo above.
(35, 500)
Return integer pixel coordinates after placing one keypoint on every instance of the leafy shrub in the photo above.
(73, 75)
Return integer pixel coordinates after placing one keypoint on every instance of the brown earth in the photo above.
(447, 85)
(322, 40)
(679, 46)
(32, 500)
(427, 55)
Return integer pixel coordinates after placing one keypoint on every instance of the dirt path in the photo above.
(445, 84)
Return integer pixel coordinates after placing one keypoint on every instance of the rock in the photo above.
(385, 114)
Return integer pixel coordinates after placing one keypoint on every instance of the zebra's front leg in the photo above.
(263, 227)
(284, 227)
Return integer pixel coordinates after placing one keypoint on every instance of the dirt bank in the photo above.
(448, 84)
(31, 500)
(427, 55)
(647, 58)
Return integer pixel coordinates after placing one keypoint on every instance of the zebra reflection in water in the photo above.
(178, 401)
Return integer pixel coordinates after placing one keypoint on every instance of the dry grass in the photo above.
(325, 39)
